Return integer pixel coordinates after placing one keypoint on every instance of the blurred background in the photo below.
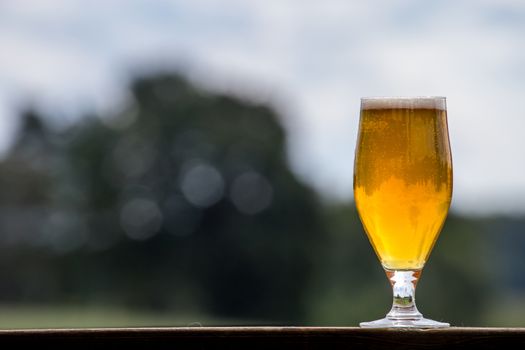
(190, 162)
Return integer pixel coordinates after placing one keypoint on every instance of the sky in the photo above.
(313, 60)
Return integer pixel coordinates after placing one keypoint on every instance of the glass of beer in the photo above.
(403, 189)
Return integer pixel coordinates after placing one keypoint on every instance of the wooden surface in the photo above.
(271, 338)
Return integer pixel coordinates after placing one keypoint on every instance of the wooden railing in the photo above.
(271, 338)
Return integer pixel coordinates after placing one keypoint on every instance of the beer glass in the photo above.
(403, 189)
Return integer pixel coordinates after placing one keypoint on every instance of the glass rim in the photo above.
(404, 102)
(403, 98)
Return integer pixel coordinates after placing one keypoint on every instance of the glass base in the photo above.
(404, 323)
(404, 313)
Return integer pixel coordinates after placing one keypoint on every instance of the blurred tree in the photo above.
(184, 201)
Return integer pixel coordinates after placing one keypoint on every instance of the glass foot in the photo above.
(404, 313)
(404, 323)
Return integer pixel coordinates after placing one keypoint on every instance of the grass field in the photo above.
(509, 312)
(35, 316)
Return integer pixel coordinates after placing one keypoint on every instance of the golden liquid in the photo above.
(403, 182)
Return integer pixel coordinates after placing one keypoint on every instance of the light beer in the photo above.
(403, 177)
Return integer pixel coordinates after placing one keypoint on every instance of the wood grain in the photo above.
(271, 338)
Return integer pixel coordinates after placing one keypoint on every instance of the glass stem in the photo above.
(404, 290)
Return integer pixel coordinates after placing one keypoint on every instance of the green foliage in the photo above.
(189, 206)
(183, 204)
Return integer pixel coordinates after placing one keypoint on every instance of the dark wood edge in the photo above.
(271, 330)
(268, 338)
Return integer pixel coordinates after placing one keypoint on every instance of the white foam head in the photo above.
(420, 102)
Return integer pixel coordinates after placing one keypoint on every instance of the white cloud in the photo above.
(321, 56)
